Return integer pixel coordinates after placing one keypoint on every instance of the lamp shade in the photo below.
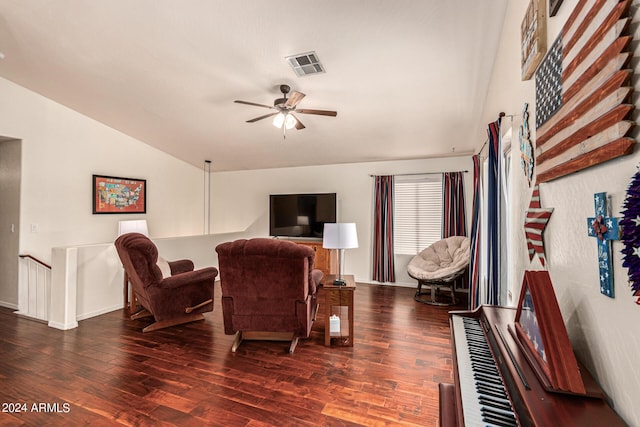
(340, 236)
(289, 121)
(133, 226)
(278, 120)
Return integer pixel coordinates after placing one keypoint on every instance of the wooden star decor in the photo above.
(536, 219)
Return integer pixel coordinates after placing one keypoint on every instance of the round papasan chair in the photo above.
(438, 266)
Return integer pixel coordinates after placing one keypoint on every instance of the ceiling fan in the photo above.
(284, 108)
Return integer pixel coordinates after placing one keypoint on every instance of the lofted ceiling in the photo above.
(408, 78)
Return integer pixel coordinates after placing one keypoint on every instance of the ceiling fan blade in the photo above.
(299, 124)
(294, 99)
(252, 103)
(318, 112)
(261, 117)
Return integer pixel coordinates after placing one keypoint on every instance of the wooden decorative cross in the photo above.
(605, 228)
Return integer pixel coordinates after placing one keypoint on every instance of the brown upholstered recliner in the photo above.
(181, 296)
(268, 290)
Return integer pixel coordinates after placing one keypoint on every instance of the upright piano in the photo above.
(516, 367)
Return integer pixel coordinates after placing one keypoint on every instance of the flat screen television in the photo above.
(301, 215)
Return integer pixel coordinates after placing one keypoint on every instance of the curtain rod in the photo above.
(482, 148)
(502, 114)
(422, 173)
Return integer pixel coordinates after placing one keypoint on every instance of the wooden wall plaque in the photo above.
(533, 37)
(583, 91)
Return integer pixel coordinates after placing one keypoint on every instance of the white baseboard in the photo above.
(8, 305)
(63, 326)
(99, 312)
(405, 285)
(26, 316)
(397, 284)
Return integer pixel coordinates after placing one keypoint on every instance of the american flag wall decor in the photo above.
(583, 91)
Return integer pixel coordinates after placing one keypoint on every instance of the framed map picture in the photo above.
(533, 37)
(113, 195)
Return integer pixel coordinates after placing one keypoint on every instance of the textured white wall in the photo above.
(601, 329)
(62, 149)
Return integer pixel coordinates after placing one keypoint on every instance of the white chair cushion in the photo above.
(443, 258)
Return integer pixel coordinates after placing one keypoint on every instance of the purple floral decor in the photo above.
(630, 224)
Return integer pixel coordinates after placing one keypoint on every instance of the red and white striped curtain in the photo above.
(493, 213)
(489, 239)
(383, 265)
(454, 220)
(474, 263)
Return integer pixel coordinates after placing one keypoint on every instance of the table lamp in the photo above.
(340, 236)
(133, 226)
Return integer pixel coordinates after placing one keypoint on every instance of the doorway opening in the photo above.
(10, 178)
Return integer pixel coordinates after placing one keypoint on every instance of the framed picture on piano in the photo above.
(542, 336)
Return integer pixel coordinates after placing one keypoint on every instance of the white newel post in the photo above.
(64, 273)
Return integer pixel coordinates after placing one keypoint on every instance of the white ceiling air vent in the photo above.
(304, 64)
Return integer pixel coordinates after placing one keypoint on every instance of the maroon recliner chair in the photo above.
(179, 298)
(268, 290)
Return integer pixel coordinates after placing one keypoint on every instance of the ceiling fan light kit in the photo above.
(284, 119)
(285, 107)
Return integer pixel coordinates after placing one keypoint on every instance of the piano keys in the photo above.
(486, 401)
(499, 382)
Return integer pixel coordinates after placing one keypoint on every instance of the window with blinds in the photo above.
(417, 213)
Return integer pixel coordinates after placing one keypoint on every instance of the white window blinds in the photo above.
(417, 212)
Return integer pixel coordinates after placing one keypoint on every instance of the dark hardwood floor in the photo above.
(107, 372)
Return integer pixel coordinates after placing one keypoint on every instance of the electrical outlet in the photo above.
(34, 228)
(13, 228)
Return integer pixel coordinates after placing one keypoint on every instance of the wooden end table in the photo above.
(336, 299)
